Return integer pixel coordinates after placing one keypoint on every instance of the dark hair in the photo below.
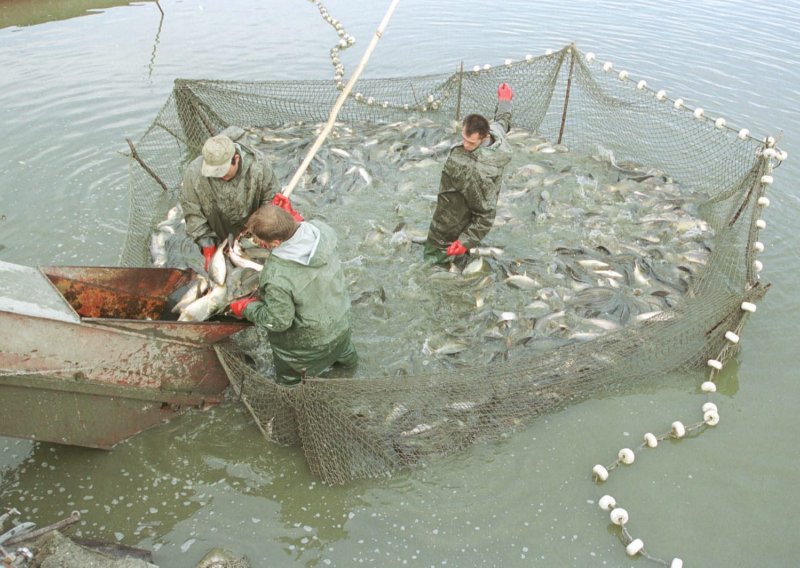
(270, 222)
(476, 123)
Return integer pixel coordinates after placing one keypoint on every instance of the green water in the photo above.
(73, 90)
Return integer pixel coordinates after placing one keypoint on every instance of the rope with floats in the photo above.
(287, 191)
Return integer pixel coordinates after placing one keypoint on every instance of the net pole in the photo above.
(566, 95)
(287, 191)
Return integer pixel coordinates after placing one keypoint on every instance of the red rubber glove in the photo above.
(238, 306)
(504, 92)
(456, 249)
(208, 253)
(283, 202)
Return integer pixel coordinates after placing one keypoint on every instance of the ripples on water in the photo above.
(526, 501)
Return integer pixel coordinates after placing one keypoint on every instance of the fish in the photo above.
(607, 325)
(583, 335)
(505, 316)
(462, 406)
(341, 153)
(206, 306)
(418, 429)
(639, 275)
(522, 281)
(197, 288)
(548, 323)
(494, 252)
(398, 411)
(609, 273)
(236, 255)
(175, 213)
(593, 264)
(158, 249)
(443, 347)
(441, 274)
(218, 268)
(475, 268)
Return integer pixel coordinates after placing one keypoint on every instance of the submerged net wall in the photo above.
(359, 427)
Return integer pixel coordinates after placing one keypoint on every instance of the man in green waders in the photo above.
(470, 183)
(302, 300)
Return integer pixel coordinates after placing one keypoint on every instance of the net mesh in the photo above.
(361, 427)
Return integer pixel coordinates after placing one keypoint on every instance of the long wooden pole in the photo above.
(566, 95)
(287, 191)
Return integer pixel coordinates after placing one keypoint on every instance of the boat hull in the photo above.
(103, 358)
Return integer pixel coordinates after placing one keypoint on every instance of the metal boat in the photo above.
(90, 356)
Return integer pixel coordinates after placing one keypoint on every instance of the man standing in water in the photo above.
(470, 183)
(303, 303)
(223, 186)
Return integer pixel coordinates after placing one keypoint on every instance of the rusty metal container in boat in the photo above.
(90, 356)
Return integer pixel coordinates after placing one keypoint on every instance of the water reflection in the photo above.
(152, 63)
(23, 13)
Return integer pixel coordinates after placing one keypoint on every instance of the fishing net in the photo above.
(362, 426)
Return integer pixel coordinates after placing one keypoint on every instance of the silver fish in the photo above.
(158, 248)
(197, 289)
(522, 281)
(206, 306)
(475, 268)
(235, 254)
(218, 268)
(418, 429)
(443, 347)
(593, 264)
(486, 251)
(462, 406)
(398, 410)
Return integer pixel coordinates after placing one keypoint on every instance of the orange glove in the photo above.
(283, 202)
(504, 92)
(208, 253)
(238, 306)
(456, 249)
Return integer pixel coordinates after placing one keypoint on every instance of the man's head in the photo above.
(269, 226)
(220, 159)
(475, 129)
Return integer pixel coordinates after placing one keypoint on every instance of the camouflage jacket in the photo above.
(469, 186)
(305, 308)
(212, 207)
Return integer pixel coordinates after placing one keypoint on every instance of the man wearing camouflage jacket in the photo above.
(222, 187)
(470, 184)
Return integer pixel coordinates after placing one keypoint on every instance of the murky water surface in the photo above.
(76, 84)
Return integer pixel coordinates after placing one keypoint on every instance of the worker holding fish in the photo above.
(303, 302)
(223, 186)
(470, 184)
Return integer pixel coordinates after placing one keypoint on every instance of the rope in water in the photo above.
(626, 456)
(287, 191)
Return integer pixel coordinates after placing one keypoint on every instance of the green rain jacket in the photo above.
(469, 187)
(215, 208)
(304, 303)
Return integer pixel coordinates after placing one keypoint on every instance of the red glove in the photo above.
(283, 202)
(208, 253)
(456, 249)
(238, 306)
(504, 92)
